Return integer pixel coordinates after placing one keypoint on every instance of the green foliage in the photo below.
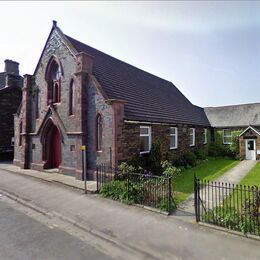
(218, 149)
(167, 206)
(131, 188)
(201, 154)
(232, 219)
(149, 161)
(253, 177)
(190, 158)
(127, 192)
(155, 156)
(124, 168)
(234, 146)
(169, 170)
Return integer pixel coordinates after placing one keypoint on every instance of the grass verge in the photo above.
(211, 169)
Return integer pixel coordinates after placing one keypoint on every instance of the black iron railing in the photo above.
(236, 207)
(135, 188)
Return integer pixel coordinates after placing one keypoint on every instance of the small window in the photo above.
(12, 141)
(173, 137)
(192, 136)
(72, 148)
(98, 133)
(145, 139)
(227, 136)
(205, 136)
(71, 97)
(20, 133)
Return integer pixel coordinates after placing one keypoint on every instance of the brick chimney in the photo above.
(12, 67)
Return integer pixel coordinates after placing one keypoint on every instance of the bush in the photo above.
(118, 190)
(190, 158)
(149, 161)
(200, 154)
(234, 146)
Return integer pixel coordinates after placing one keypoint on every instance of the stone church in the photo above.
(81, 96)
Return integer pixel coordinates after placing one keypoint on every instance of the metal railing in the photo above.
(135, 188)
(236, 207)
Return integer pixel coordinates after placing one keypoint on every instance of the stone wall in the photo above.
(131, 138)
(96, 105)
(10, 99)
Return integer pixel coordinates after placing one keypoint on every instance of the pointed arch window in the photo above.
(98, 132)
(37, 108)
(54, 82)
(71, 97)
(20, 133)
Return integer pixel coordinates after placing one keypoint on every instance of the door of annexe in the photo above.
(250, 146)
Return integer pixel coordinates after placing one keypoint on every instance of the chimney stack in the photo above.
(12, 67)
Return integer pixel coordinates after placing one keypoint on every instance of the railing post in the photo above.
(97, 179)
(196, 197)
(169, 194)
(127, 184)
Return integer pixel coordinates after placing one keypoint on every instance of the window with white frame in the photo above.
(192, 136)
(205, 136)
(145, 139)
(227, 136)
(173, 137)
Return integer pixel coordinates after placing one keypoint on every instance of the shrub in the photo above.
(190, 158)
(155, 157)
(234, 146)
(200, 154)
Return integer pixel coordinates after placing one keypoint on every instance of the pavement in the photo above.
(50, 176)
(232, 176)
(149, 235)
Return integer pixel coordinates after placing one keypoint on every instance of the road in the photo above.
(24, 238)
(117, 230)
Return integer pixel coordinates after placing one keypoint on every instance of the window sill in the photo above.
(145, 152)
(226, 143)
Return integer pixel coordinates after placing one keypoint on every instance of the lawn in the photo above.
(211, 169)
(253, 177)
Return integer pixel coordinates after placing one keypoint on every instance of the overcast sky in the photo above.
(209, 50)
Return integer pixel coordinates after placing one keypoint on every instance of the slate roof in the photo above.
(148, 97)
(234, 116)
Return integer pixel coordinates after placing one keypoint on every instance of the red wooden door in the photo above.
(56, 148)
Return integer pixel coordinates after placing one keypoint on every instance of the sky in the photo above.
(209, 50)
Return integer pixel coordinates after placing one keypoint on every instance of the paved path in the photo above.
(152, 235)
(232, 176)
(50, 176)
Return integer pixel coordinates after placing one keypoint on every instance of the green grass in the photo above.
(253, 177)
(211, 169)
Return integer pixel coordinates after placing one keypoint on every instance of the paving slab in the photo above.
(51, 176)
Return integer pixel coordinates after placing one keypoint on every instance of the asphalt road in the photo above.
(115, 229)
(24, 238)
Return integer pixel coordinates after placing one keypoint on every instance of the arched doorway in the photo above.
(55, 148)
(51, 146)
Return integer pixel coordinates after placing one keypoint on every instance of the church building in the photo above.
(79, 95)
